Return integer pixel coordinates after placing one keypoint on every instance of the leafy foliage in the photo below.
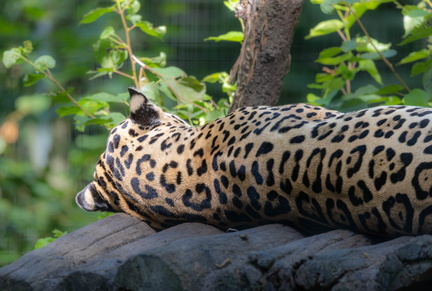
(147, 73)
(46, 240)
(43, 194)
(347, 63)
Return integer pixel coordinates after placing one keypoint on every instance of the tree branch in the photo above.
(264, 58)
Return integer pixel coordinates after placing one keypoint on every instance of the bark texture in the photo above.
(264, 58)
(123, 253)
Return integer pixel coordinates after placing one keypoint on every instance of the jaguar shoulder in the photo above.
(368, 171)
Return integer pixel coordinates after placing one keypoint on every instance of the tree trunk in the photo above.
(264, 58)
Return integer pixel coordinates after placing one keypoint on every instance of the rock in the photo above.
(187, 261)
(44, 268)
(123, 253)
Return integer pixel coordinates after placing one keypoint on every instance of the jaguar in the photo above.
(369, 171)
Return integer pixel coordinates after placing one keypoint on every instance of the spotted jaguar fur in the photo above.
(369, 171)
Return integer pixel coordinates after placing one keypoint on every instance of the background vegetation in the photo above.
(45, 160)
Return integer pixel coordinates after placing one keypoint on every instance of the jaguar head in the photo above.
(108, 191)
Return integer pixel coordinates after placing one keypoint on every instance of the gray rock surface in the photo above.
(122, 253)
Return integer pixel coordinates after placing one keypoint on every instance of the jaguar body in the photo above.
(369, 171)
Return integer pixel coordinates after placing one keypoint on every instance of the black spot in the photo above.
(399, 220)
(285, 156)
(149, 192)
(225, 181)
(237, 202)
(199, 153)
(414, 139)
(286, 186)
(274, 209)
(361, 152)
(270, 181)
(241, 173)
(248, 149)
(169, 187)
(124, 150)
(205, 203)
(256, 173)
(380, 181)
(298, 139)
(150, 176)
(165, 145)
(254, 198)
(252, 212)
(374, 220)
(189, 167)
(419, 179)
(160, 210)
(223, 199)
(169, 201)
(310, 208)
(344, 218)
(203, 169)
(180, 149)
(236, 190)
(265, 148)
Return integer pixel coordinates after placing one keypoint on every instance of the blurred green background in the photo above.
(44, 161)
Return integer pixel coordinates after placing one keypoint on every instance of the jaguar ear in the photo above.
(142, 111)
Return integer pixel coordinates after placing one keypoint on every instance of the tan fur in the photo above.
(366, 170)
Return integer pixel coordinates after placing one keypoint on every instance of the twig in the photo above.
(376, 49)
(50, 77)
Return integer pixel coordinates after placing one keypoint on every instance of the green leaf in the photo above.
(134, 7)
(325, 27)
(45, 62)
(360, 8)
(369, 66)
(231, 4)
(235, 36)
(31, 79)
(68, 110)
(170, 72)
(11, 57)
(28, 47)
(100, 48)
(417, 97)
(95, 14)
(215, 77)
(114, 59)
(107, 32)
(43, 242)
(417, 34)
(427, 81)
(336, 60)
(151, 91)
(391, 89)
(335, 84)
(330, 52)
(155, 62)
(148, 28)
(348, 45)
(365, 44)
(47, 240)
(373, 56)
(327, 6)
(346, 73)
(420, 67)
(187, 89)
(415, 56)
(413, 17)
